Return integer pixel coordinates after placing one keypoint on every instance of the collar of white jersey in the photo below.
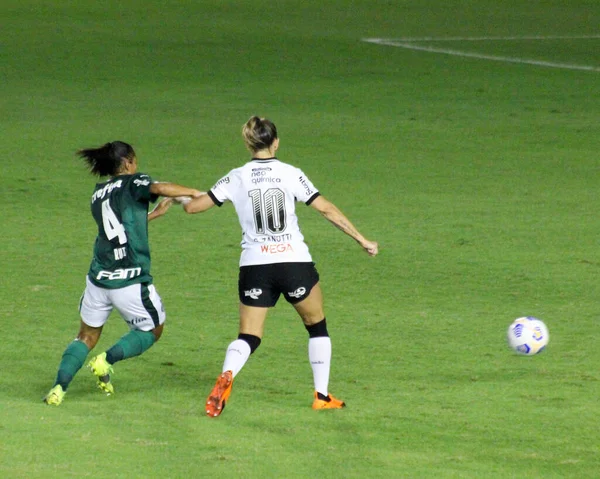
(264, 160)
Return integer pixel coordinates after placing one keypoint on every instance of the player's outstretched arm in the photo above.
(197, 205)
(335, 216)
(172, 190)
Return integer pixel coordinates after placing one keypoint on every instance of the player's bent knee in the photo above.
(89, 336)
(89, 341)
(158, 332)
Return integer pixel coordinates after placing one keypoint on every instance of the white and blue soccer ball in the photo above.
(528, 335)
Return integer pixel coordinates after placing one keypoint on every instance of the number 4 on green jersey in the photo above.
(112, 227)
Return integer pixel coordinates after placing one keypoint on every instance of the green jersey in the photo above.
(121, 251)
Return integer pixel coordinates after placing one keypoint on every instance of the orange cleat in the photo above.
(327, 402)
(215, 403)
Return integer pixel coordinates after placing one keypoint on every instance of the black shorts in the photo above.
(261, 285)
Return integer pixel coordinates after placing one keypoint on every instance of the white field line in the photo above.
(409, 44)
(483, 39)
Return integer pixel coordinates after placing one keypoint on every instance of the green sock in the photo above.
(132, 344)
(71, 362)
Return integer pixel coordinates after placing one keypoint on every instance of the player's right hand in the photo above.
(371, 247)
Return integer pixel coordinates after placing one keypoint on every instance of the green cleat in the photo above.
(55, 396)
(102, 369)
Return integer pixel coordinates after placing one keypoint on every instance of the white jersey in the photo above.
(264, 194)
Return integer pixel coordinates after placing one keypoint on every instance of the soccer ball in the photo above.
(528, 335)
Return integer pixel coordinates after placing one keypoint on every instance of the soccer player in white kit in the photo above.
(275, 259)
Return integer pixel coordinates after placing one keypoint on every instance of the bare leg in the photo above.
(89, 335)
(252, 320)
(310, 309)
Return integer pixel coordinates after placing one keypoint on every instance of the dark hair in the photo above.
(107, 159)
(259, 133)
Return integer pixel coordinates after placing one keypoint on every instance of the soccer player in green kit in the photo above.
(119, 276)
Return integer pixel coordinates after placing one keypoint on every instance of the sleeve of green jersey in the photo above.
(139, 187)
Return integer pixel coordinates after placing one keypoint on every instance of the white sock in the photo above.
(319, 355)
(237, 354)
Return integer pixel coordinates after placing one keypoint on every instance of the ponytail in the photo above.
(107, 159)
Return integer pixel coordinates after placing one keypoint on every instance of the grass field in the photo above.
(479, 179)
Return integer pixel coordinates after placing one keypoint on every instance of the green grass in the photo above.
(478, 178)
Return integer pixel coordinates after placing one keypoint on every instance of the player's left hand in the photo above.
(160, 209)
(371, 247)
